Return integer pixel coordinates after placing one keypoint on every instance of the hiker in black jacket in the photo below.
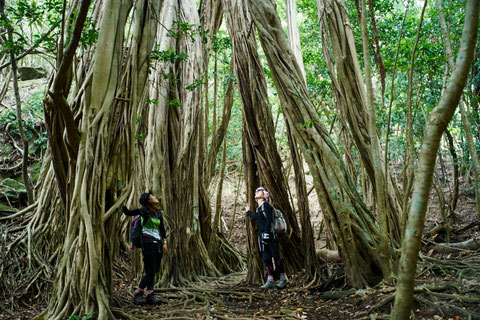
(267, 239)
(154, 244)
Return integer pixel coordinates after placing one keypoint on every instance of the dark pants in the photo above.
(152, 255)
(270, 250)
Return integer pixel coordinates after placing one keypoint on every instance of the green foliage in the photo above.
(171, 77)
(168, 55)
(310, 123)
(181, 29)
(12, 184)
(35, 171)
(221, 43)
(195, 84)
(30, 21)
(174, 103)
(152, 101)
(140, 137)
(89, 34)
(32, 122)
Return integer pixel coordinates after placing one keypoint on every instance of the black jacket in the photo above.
(145, 213)
(264, 217)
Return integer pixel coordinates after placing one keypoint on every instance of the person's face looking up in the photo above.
(153, 201)
(259, 195)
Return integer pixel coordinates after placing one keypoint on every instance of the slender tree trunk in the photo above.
(212, 248)
(59, 116)
(454, 196)
(392, 87)
(378, 56)
(254, 264)
(294, 35)
(219, 136)
(13, 62)
(439, 119)
(312, 263)
(346, 215)
(464, 114)
(237, 191)
(210, 20)
(377, 163)
(410, 154)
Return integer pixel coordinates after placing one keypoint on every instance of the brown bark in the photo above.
(259, 125)
(346, 215)
(173, 147)
(101, 178)
(59, 117)
(380, 185)
(312, 264)
(348, 86)
(254, 264)
(455, 191)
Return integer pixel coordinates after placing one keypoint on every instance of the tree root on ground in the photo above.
(458, 290)
(29, 246)
(217, 298)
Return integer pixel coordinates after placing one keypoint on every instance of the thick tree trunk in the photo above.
(172, 145)
(259, 125)
(349, 91)
(439, 119)
(346, 215)
(101, 178)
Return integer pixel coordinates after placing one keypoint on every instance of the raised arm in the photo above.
(134, 212)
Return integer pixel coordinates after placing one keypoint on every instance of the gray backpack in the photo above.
(279, 223)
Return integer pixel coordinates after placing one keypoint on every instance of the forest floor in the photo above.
(447, 285)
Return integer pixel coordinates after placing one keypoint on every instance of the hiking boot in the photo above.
(150, 299)
(268, 285)
(138, 299)
(282, 283)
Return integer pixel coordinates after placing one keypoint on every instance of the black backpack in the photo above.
(136, 234)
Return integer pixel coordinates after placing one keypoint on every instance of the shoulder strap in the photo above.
(143, 220)
(262, 209)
